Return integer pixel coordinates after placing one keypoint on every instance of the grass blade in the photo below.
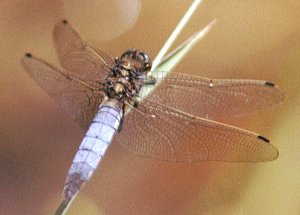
(168, 63)
(175, 33)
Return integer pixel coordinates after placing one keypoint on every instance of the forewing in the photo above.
(76, 56)
(66, 39)
(217, 99)
(79, 99)
(160, 132)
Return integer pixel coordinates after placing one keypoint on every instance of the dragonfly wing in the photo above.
(157, 131)
(66, 39)
(217, 99)
(78, 98)
(108, 59)
(78, 57)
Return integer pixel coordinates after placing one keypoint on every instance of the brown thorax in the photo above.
(128, 75)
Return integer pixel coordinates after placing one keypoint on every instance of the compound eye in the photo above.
(141, 56)
(128, 54)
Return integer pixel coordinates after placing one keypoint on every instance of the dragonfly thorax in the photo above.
(128, 75)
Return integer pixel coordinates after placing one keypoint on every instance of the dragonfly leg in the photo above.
(149, 80)
(122, 119)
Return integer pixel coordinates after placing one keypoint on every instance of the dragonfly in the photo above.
(182, 120)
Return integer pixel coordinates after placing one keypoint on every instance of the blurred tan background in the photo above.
(252, 39)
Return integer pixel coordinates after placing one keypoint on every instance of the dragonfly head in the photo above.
(137, 59)
(128, 74)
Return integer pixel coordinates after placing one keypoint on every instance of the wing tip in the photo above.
(64, 21)
(273, 151)
(269, 84)
(276, 156)
(277, 89)
(263, 138)
(28, 55)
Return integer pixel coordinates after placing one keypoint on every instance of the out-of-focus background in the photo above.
(252, 39)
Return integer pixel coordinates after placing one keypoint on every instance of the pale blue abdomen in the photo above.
(92, 148)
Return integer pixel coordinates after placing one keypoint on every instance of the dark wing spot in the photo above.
(65, 21)
(270, 84)
(28, 55)
(263, 138)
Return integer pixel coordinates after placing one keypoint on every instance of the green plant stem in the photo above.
(175, 33)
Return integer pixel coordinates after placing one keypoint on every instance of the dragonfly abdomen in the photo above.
(93, 146)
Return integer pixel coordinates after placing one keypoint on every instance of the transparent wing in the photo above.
(217, 99)
(76, 56)
(108, 59)
(160, 132)
(79, 99)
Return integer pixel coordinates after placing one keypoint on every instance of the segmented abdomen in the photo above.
(93, 147)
